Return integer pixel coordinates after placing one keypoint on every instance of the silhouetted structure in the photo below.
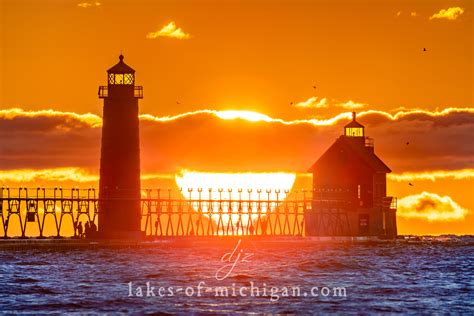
(349, 189)
(119, 186)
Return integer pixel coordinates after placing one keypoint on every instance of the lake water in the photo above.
(394, 277)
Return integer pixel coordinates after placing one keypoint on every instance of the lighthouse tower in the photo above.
(119, 186)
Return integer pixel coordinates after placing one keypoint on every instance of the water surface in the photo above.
(395, 277)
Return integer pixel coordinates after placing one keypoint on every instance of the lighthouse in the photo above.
(350, 189)
(119, 185)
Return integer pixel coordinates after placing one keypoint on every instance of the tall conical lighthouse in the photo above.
(119, 186)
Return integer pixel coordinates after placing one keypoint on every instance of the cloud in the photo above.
(81, 175)
(32, 139)
(351, 105)
(89, 119)
(431, 207)
(446, 116)
(241, 140)
(320, 103)
(313, 103)
(249, 116)
(74, 174)
(412, 14)
(86, 5)
(448, 14)
(433, 175)
(169, 30)
(64, 174)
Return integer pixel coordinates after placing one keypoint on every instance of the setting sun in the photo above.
(230, 183)
(233, 187)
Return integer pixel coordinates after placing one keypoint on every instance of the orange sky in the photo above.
(246, 55)
(257, 55)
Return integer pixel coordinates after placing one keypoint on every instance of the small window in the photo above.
(358, 191)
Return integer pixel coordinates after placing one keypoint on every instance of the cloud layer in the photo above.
(433, 175)
(169, 30)
(238, 140)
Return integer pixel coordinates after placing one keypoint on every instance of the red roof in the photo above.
(355, 146)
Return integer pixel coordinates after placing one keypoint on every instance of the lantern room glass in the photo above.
(121, 79)
(354, 131)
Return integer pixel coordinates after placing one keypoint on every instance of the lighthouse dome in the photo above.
(121, 67)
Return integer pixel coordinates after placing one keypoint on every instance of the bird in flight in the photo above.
(314, 87)
(408, 143)
(291, 103)
(424, 49)
(410, 184)
(177, 102)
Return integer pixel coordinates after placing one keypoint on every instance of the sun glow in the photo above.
(235, 187)
(244, 115)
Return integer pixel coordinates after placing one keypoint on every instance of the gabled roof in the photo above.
(354, 124)
(356, 147)
(121, 67)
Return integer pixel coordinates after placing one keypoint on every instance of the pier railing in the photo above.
(56, 212)
(40, 212)
(223, 218)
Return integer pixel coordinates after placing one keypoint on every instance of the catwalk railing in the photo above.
(56, 212)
